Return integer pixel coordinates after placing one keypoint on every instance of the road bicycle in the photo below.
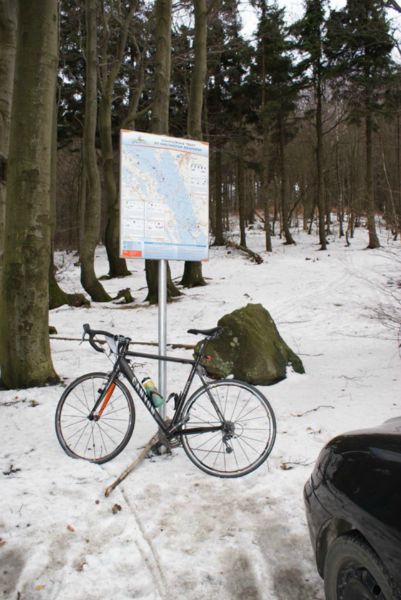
(226, 427)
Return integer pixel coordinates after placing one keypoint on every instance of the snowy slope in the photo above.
(181, 533)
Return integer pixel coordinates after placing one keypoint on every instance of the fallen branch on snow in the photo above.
(153, 440)
(311, 410)
(173, 346)
(256, 257)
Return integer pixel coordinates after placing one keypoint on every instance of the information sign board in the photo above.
(164, 204)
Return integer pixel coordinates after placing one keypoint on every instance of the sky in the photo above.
(294, 10)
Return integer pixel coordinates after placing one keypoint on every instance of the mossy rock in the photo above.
(250, 348)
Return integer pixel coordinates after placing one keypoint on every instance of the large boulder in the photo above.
(250, 348)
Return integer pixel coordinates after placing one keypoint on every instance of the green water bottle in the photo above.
(152, 392)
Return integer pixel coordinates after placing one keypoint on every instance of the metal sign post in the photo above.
(163, 332)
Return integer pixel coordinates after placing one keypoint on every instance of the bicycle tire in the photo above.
(93, 440)
(249, 418)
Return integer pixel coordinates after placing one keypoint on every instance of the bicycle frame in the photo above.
(175, 426)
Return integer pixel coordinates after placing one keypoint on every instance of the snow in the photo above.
(181, 533)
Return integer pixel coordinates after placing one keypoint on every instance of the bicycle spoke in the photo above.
(206, 441)
(74, 423)
(77, 409)
(83, 431)
(235, 405)
(111, 426)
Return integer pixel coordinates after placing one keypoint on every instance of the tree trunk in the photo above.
(319, 165)
(108, 74)
(152, 275)
(265, 191)
(218, 200)
(24, 336)
(162, 65)
(8, 47)
(241, 199)
(90, 188)
(57, 296)
(283, 186)
(373, 239)
(117, 265)
(192, 276)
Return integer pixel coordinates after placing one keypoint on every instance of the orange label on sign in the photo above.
(132, 253)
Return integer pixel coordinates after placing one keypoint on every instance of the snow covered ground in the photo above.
(181, 533)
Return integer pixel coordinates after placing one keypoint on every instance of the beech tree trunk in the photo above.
(117, 265)
(8, 47)
(111, 58)
(57, 296)
(90, 187)
(192, 276)
(162, 66)
(24, 336)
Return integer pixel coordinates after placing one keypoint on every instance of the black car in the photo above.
(353, 507)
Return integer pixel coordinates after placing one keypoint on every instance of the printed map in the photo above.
(164, 197)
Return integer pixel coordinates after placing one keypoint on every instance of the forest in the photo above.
(302, 119)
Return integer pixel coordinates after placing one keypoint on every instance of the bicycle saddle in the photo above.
(207, 332)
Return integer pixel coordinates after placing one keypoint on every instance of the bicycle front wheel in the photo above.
(246, 434)
(103, 437)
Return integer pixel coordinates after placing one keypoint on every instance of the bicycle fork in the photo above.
(104, 398)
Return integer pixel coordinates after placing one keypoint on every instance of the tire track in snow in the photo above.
(153, 561)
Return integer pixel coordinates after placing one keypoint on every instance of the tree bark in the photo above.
(218, 200)
(162, 66)
(57, 296)
(8, 47)
(90, 188)
(117, 265)
(241, 198)
(108, 74)
(373, 239)
(24, 338)
(264, 186)
(319, 164)
(283, 186)
(192, 276)
(160, 111)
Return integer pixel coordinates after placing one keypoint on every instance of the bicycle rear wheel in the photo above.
(247, 434)
(97, 440)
